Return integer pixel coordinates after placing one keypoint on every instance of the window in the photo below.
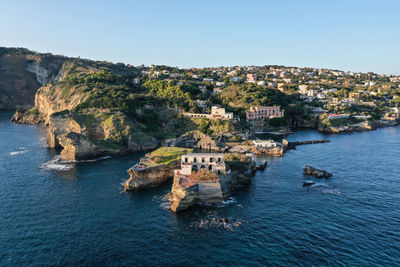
(186, 160)
(219, 159)
(194, 160)
(203, 160)
(211, 159)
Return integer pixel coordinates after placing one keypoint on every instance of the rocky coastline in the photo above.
(357, 127)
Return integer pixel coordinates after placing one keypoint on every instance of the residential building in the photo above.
(303, 89)
(252, 78)
(261, 83)
(216, 113)
(219, 113)
(264, 112)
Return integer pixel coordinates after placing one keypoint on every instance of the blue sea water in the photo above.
(75, 214)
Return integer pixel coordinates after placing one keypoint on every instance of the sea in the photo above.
(55, 213)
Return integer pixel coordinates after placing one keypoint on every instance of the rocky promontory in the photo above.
(155, 168)
(356, 127)
(93, 109)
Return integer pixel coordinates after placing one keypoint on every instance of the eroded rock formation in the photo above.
(308, 170)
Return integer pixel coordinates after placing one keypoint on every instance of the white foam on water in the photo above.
(13, 153)
(93, 160)
(331, 191)
(229, 201)
(57, 164)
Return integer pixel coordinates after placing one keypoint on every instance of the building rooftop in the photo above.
(204, 155)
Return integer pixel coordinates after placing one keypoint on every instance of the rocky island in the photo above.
(209, 178)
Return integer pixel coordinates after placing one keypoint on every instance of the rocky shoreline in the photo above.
(358, 127)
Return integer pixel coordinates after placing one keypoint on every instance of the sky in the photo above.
(350, 35)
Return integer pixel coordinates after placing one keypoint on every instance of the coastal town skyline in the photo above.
(356, 36)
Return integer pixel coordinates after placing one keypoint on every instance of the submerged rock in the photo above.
(308, 170)
(308, 183)
(261, 165)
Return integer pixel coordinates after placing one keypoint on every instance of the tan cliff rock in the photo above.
(76, 146)
(22, 72)
(150, 176)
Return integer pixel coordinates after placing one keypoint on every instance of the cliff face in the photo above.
(22, 72)
(90, 107)
(150, 177)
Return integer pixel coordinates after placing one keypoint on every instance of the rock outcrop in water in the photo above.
(151, 176)
(308, 170)
(155, 168)
(357, 127)
(187, 192)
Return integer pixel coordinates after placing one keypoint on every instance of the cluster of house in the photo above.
(254, 113)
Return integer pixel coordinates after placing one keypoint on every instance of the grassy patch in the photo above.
(237, 162)
(167, 155)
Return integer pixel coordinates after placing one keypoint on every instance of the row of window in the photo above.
(203, 160)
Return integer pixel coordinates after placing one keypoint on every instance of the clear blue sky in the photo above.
(343, 34)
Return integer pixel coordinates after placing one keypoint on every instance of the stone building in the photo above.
(207, 143)
(194, 162)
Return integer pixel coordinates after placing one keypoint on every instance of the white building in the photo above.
(261, 83)
(303, 89)
(219, 113)
(265, 143)
(216, 113)
(194, 162)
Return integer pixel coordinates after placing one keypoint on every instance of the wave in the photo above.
(13, 153)
(216, 222)
(57, 164)
(229, 201)
(92, 160)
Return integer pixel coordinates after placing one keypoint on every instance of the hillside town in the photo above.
(323, 93)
